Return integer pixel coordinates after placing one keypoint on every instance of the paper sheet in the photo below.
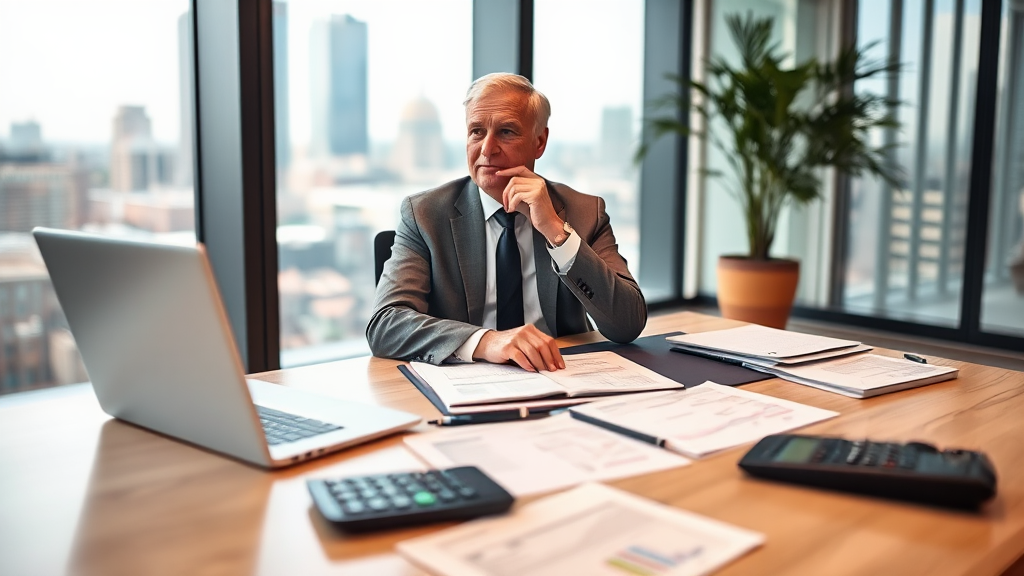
(770, 343)
(607, 373)
(535, 456)
(705, 418)
(594, 530)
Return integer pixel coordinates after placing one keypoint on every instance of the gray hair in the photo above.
(538, 104)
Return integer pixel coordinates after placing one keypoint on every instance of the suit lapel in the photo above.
(470, 248)
(547, 279)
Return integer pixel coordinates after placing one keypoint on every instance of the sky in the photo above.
(69, 64)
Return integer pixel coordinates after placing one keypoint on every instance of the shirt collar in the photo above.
(489, 204)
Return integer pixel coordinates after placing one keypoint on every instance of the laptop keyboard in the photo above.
(281, 427)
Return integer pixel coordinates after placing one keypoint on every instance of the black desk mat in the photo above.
(655, 352)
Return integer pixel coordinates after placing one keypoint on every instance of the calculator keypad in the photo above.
(412, 497)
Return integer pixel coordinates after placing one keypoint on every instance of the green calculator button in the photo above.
(424, 498)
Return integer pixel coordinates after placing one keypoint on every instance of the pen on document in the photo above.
(915, 358)
(709, 356)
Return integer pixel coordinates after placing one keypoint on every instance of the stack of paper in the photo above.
(763, 346)
(593, 529)
(831, 364)
(863, 375)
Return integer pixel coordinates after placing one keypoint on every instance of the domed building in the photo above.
(419, 148)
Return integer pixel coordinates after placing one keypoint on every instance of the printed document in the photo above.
(592, 374)
(865, 375)
(535, 456)
(594, 530)
(762, 342)
(704, 419)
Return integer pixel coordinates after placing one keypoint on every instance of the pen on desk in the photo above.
(915, 358)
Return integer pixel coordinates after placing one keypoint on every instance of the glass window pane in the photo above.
(95, 135)
(1002, 307)
(596, 98)
(905, 247)
(368, 110)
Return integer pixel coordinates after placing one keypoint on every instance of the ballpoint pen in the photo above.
(711, 356)
(490, 417)
(915, 358)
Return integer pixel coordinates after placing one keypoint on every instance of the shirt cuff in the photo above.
(562, 257)
(464, 353)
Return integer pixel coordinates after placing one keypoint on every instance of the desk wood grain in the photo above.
(81, 493)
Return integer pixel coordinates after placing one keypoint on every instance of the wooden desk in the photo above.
(84, 494)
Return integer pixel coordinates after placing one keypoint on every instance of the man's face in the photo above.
(500, 134)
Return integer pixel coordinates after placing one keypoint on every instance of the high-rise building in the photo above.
(185, 162)
(419, 149)
(616, 136)
(42, 194)
(27, 309)
(136, 162)
(338, 86)
(282, 141)
(26, 144)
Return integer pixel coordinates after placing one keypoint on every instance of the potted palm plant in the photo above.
(779, 126)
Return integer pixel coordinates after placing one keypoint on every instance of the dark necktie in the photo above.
(509, 272)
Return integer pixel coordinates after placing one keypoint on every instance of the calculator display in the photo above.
(797, 450)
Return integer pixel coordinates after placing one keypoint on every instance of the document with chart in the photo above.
(536, 456)
(594, 530)
(591, 374)
(700, 420)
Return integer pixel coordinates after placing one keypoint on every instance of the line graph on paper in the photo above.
(709, 417)
(711, 412)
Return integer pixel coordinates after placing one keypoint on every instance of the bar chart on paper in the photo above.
(593, 530)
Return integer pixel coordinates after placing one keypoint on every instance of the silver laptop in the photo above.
(157, 345)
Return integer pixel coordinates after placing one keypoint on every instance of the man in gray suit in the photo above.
(488, 267)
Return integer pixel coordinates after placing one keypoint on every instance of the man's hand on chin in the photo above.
(527, 346)
(528, 193)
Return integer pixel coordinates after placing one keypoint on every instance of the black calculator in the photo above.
(362, 503)
(914, 471)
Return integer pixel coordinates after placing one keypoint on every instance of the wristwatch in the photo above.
(561, 238)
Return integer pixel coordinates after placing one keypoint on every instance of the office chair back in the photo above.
(382, 244)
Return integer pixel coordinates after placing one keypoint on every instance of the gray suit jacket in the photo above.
(430, 298)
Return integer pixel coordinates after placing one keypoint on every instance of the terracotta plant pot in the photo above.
(758, 291)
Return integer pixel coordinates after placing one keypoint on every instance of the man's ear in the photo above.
(542, 142)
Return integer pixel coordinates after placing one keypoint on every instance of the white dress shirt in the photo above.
(562, 258)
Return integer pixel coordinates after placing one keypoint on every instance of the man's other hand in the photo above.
(527, 193)
(527, 346)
